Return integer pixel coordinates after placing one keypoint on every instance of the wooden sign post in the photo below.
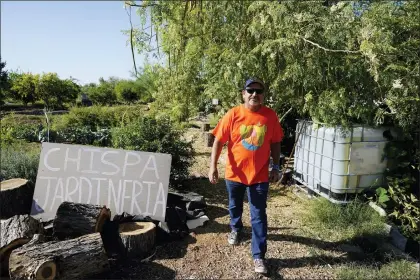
(125, 181)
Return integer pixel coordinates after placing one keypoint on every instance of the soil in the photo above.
(205, 254)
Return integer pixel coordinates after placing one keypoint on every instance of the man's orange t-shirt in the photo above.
(249, 135)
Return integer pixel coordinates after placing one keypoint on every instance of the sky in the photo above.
(79, 39)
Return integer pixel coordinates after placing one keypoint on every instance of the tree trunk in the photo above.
(16, 232)
(138, 238)
(70, 259)
(77, 219)
(16, 198)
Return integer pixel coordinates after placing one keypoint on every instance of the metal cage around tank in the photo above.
(339, 163)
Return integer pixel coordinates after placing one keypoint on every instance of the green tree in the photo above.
(102, 93)
(4, 81)
(23, 87)
(126, 91)
(340, 63)
(54, 92)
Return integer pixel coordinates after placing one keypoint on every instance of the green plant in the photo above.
(406, 206)
(343, 222)
(98, 117)
(126, 91)
(6, 136)
(397, 269)
(28, 132)
(380, 197)
(84, 136)
(399, 198)
(17, 162)
(214, 119)
(160, 136)
(330, 59)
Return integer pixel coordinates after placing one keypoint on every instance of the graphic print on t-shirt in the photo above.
(252, 136)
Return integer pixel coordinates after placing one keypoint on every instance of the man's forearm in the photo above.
(215, 153)
(275, 152)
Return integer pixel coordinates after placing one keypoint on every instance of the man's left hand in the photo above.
(275, 175)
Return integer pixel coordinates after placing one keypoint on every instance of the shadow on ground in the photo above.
(207, 154)
(175, 249)
(135, 269)
(213, 194)
(365, 250)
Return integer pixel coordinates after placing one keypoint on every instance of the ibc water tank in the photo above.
(339, 163)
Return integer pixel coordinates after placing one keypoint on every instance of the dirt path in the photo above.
(205, 254)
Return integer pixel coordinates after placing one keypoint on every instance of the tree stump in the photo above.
(76, 219)
(208, 139)
(138, 238)
(205, 127)
(70, 259)
(16, 232)
(16, 198)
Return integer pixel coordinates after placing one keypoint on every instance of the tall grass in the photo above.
(336, 222)
(19, 162)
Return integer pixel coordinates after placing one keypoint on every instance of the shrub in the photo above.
(126, 91)
(13, 119)
(22, 127)
(160, 136)
(84, 136)
(18, 163)
(28, 132)
(6, 136)
(214, 119)
(91, 117)
(97, 117)
(399, 198)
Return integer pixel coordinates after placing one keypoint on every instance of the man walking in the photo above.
(252, 132)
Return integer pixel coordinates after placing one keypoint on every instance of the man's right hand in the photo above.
(213, 175)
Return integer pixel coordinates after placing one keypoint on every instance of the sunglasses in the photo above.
(254, 90)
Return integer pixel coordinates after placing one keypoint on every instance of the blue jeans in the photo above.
(257, 197)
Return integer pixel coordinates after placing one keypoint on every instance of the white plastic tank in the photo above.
(338, 163)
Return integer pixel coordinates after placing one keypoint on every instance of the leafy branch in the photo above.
(325, 49)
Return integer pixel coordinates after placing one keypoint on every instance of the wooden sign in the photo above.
(125, 181)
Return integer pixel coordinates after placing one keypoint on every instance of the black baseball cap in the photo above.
(254, 80)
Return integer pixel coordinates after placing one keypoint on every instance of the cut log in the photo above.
(16, 232)
(16, 198)
(70, 259)
(76, 219)
(138, 238)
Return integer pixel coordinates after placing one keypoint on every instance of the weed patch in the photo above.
(18, 162)
(343, 222)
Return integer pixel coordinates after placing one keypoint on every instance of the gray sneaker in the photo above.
(260, 266)
(233, 238)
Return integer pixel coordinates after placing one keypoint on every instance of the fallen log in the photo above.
(70, 259)
(138, 238)
(16, 197)
(76, 219)
(15, 232)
